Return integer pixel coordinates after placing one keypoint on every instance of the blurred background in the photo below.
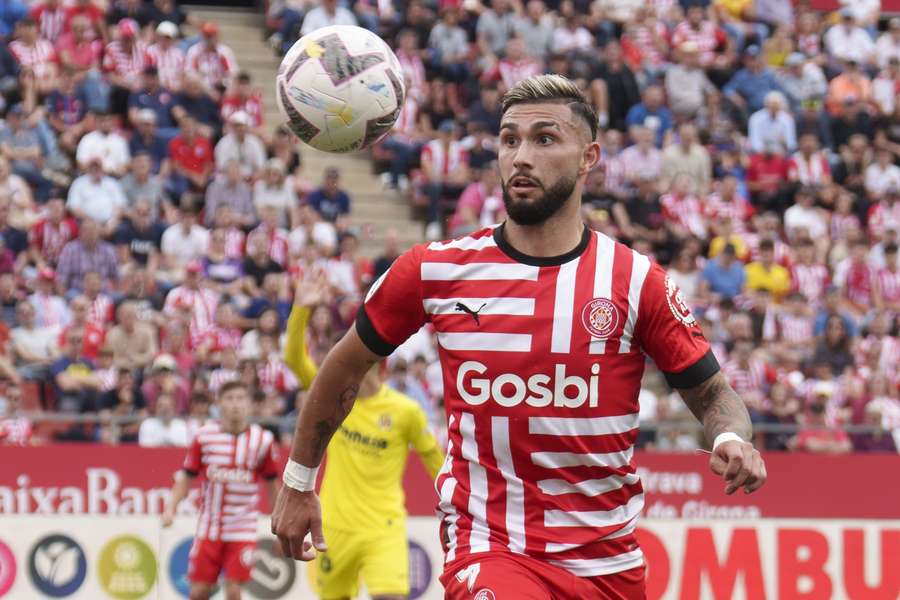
(155, 218)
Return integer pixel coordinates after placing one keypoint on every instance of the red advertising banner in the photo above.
(128, 480)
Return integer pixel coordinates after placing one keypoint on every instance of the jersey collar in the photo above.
(541, 261)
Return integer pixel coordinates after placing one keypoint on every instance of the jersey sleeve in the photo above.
(269, 467)
(193, 460)
(393, 308)
(423, 441)
(668, 332)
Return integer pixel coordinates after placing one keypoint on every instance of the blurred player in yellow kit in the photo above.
(362, 495)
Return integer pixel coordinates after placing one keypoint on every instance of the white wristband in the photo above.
(298, 477)
(727, 436)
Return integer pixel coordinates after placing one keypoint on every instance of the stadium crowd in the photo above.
(152, 229)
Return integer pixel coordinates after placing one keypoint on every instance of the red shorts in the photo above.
(208, 559)
(517, 577)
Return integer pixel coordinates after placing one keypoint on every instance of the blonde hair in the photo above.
(552, 89)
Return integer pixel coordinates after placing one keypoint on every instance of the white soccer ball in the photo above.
(340, 88)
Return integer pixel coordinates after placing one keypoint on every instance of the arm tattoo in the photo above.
(325, 428)
(718, 407)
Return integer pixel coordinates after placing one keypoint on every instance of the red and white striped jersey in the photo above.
(686, 211)
(201, 302)
(170, 64)
(235, 242)
(101, 310)
(738, 209)
(278, 242)
(445, 160)
(49, 238)
(15, 431)
(542, 360)
(252, 105)
(511, 73)
(51, 21)
(812, 171)
(840, 224)
(882, 216)
(127, 63)
(793, 329)
(810, 280)
(215, 67)
(753, 379)
(220, 377)
(889, 284)
(275, 376)
(39, 58)
(230, 467)
(707, 38)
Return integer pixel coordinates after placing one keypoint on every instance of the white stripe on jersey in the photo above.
(515, 491)
(478, 271)
(593, 567)
(216, 459)
(628, 529)
(571, 426)
(558, 460)
(595, 518)
(640, 266)
(492, 306)
(465, 243)
(478, 493)
(486, 342)
(217, 448)
(445, 493)
(588, 487)
(217, 493)
(603, 276)
(214, 438)
(563, 307)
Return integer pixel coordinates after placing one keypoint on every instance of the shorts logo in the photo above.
(600, 317)
(57, 566)
(485, 594)
(7, 569)
(677, 305)
(247, 557)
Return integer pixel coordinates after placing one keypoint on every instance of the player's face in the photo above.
(235, 406)
(545, 153)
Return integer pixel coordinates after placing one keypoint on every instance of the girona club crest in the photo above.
(485, 594)
(600, 317)
(677, 305)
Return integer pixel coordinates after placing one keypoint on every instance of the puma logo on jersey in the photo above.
(460, 307)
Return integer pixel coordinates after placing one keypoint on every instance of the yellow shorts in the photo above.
(380, 559)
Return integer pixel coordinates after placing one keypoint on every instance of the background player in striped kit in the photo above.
(231, 457)
(539, 494)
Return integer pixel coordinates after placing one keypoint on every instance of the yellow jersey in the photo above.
(363, 483)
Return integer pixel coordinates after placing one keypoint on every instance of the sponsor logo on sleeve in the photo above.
(677, 305)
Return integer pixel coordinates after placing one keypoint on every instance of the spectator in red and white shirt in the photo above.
(276, 237)
(50, 310)
(809, 277)
(242, 96)
(48, 236)
(749, 375)
(167, 56)
(887, 282)
(707, 37)
(125, 58)
(93, 333)
(36, 56)
(94, 14)
(885, 214)
(410, 57)
(727, 202)
(856, 278)
(197, 302)
(15, 428)
(214, 61)
(515, 66)
(50, 17)
(809, 166)
(683, 211)
(445, 171)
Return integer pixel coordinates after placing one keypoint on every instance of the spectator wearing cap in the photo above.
(105, 144)
(240, 144)
(652, 113)
(330, 201)
(140, 184)
(147, 139)
(152, 96)
(167, 57)
(688, 89)
(88, 253)
(191, 160)
(748, 88)
(848, 41)
(49, 308)
(687, 157)
(184, 241)
(327, 13)
(887, 47)
(229, 189)
(97, 196)
(448, 45)
(48, 236)
(193, 101)
(139, 237)
(215, 62)
(124, 61)
(20, 145)
(773, 123)
(802, 81)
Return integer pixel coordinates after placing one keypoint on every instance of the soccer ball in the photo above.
(340, 88)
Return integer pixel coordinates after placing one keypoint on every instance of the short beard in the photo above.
(537, 211)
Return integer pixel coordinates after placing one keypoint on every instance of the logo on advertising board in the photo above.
(7, 569)
(273, 575)
(57, 566)
(178, 566)
(419, 570)
(127, 568)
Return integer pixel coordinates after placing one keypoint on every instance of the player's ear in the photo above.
(590, 156)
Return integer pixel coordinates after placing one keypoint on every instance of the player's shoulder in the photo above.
(472, 242)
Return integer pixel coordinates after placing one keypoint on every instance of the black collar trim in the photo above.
(541, 261)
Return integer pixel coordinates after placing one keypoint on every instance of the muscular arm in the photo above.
(718, 407)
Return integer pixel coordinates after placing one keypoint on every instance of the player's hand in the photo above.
(168, 517)
(297, 514)
(311, 291)
(740, 464)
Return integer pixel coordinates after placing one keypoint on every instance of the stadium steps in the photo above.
(374, 211)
